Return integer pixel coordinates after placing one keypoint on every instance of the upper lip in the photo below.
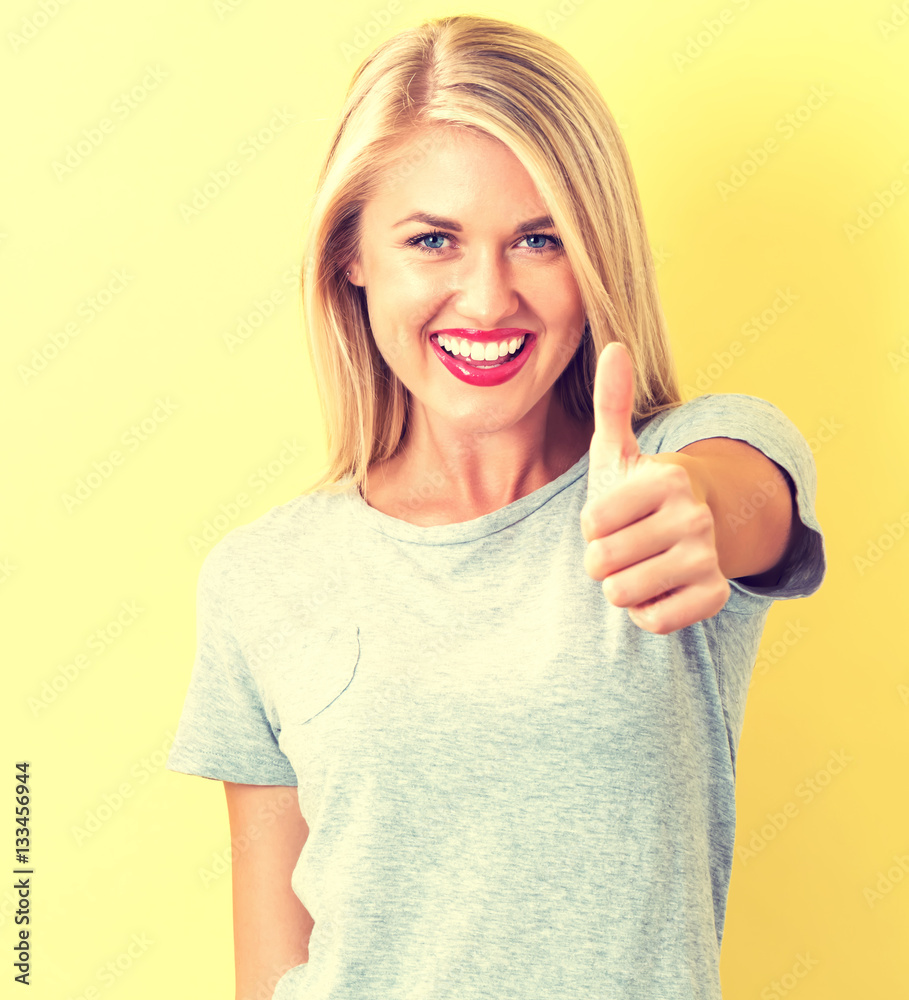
(484, 336)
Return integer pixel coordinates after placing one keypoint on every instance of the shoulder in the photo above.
(282, 534)
(734, 415)
(764, 426)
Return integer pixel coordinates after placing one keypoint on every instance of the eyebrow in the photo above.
(531, 225)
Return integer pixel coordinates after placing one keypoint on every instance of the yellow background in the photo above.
(693, 89)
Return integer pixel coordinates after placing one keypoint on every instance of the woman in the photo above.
(498, 655)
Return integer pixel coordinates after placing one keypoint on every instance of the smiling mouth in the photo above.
(468, 360)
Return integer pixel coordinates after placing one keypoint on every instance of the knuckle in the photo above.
(675, 476)
(704, 562)
(659, 624)
(700, 518)
(715, 599)
(601, 481)
(614, 591)
(590, 565)
(653, 617)
(680, 474)
(590, 526)
(593, 562)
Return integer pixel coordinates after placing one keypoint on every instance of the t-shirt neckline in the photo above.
(464, 531)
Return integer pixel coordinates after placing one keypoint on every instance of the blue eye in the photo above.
(554, 243)
(427, 236)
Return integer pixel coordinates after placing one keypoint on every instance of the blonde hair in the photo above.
(515, 85)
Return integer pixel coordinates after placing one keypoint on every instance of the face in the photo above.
(485, 270)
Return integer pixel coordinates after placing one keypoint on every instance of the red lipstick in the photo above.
(484, 373)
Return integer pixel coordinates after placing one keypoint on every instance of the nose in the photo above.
(486, 291)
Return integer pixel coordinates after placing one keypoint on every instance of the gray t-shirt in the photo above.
(512, 790)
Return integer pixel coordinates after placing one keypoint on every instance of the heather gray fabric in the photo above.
(512, 790)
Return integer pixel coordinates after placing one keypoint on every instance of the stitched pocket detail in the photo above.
(314, 672)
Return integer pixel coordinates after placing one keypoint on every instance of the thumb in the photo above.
(613, 445)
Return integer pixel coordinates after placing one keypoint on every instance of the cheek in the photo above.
(397, 330)
(555, 288)
(557, 297)
(407, 315)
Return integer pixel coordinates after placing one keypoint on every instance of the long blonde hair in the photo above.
(516, 85)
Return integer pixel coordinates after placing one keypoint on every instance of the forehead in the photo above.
(453, 172)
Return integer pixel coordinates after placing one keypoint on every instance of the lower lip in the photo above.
(495, 375)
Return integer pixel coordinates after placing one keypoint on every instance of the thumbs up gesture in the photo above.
(650, 532)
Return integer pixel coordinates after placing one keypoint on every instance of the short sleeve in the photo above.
(765, 427)
(224, 731)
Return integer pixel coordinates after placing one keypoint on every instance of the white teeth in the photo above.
(476, 351)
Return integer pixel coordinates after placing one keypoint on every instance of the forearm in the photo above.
(753, 508)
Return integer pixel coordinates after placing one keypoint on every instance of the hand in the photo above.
(650, 531)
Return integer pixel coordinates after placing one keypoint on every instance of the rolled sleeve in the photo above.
(765, 427)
